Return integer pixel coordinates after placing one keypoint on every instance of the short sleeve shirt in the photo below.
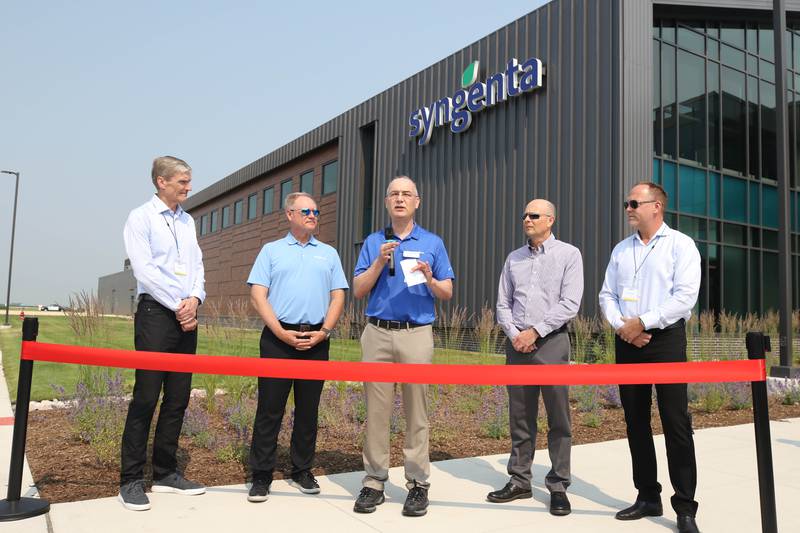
(299, 277)
(391, 298)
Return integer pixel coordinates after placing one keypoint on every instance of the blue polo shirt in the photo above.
(299, 277)
(391, 298)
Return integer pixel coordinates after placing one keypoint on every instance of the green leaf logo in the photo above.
(470, 75)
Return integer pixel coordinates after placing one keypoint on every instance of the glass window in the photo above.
(713, 29)
(732, 32)
(669, 184)
(693, 227)
(713, 48)
(734, 265)
(692, 190)
(734, 199)
(768, 146)
(767, 70)
(755, 213)
(238, 211)
(656, 171)
(330, 177)
(713, 115)
(755, 237)
(670, 219)
(796, 55)
(753, 124)
(214, 220)
(733, 120)
(714, 292)
(286, 190)
(732, 57)
(668, 100)
(690, 40)
(203, 224)
(713, 192)
(226, 216)
(307, 182)
(269, 200)
(656, 98)
(713, 231)
(770, 239)
(766, 42)
(668, 30)
(752, 38)
(752, 65)
(734, 234)
(252, 201)
(769, 206)
(771, 291)
(692, 106)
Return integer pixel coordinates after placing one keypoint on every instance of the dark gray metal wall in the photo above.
(562, 143)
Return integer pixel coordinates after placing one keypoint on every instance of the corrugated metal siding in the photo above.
(562, 143)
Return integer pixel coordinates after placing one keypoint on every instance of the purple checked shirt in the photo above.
(540, 288)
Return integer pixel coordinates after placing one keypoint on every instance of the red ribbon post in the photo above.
(575, 374)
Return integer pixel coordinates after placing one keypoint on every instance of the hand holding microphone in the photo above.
(390, 243)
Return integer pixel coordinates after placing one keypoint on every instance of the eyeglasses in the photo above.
(533, 216)
(634, 204)
(405, 195)
(306, 212)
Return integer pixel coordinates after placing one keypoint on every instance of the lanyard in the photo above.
(633, 242)
(174, 231)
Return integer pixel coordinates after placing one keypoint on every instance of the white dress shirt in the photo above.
(657, 282)
(166, 259)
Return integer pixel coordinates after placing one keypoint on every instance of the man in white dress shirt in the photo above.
(161, 243)
(650, 288)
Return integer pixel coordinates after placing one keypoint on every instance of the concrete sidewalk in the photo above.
(727, 492)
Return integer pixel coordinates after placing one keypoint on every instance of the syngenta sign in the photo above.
(474, 97)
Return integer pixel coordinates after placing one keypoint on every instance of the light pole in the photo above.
(11, 254)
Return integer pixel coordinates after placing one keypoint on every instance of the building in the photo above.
(573, 102)
(117, 292)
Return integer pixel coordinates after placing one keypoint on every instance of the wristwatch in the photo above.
(327, 332)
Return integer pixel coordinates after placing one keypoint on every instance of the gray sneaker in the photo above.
(132, 496)
(178, 484)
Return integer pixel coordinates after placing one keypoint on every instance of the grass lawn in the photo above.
(214, 340)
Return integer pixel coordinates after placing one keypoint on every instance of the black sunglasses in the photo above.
(533, 216)
(305, 212)
(634, 204)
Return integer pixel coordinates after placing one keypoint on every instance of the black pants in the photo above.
(156, 329)
(272, 396)
(666, 346)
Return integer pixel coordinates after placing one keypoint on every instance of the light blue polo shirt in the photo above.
(299, 277)
(391, 298)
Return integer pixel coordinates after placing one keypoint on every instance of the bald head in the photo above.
(402, 183)
(541, 206)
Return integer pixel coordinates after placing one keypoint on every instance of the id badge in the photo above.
(180, 269)
(630, 294)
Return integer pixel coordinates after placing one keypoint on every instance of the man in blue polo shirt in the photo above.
(297, 287)
(402, 268)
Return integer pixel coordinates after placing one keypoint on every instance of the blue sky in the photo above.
(92, 91)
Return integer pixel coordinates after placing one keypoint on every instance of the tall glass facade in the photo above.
(714, 148)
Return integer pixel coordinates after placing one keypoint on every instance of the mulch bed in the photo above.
(66, 469)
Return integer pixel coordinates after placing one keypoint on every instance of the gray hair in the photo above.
(291, 198)
(402, 177)
(167, 166)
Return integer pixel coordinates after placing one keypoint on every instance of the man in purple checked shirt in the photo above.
(540, 291)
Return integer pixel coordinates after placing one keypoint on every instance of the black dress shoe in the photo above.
(367, 500)
(686, 524)
(509, 493)
(559, 504)
(640, 509)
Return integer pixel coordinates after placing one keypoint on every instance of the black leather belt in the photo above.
(301, 327)
(147, 298)
(679, 324)
(392, 324)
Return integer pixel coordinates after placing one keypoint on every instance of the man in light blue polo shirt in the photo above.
(402, 268)
(297, 287)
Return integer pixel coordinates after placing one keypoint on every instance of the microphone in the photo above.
(388, 235)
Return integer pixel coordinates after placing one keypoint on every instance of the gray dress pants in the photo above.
(523, 407)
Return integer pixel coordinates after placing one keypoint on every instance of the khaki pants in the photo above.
(396, 346)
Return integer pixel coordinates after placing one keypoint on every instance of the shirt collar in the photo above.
(161, 208)
(663, 231)
(548, 242)
(290, 240)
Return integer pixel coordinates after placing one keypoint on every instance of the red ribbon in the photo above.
(576, 374)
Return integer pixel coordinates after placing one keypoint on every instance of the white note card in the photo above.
(411, 278)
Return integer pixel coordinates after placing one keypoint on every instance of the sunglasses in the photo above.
(533, 216)
(306, 212)
(634, 204)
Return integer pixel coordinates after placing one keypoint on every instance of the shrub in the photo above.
(98, 415)
(739, 395)
(712, 397)
(494, 416)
